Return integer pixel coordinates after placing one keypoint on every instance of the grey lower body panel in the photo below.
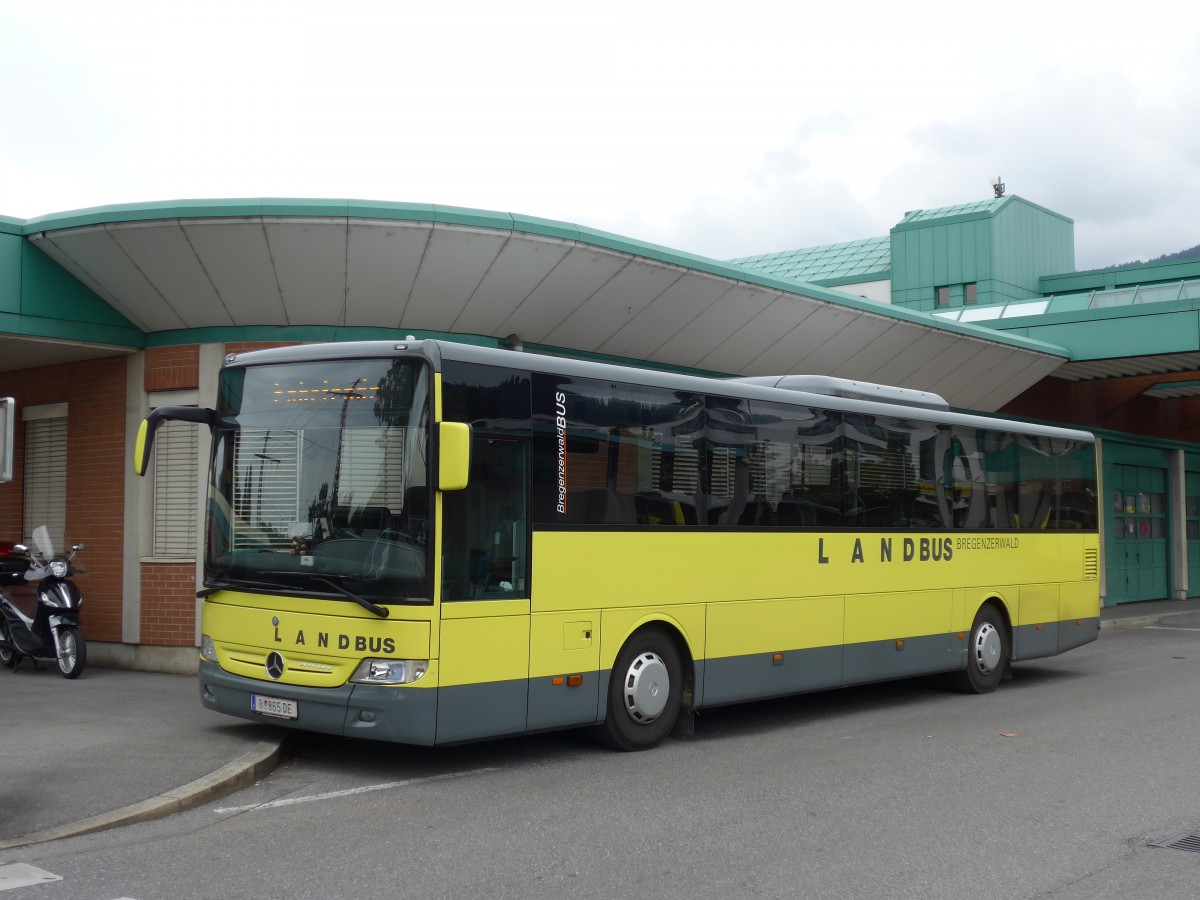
(563, 705)
(1052, 638)
(736, 678)
(1076, 633)
(472, 711)
(404, 715)
(1034, 642)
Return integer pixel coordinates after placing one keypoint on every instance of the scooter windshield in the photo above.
(42, 542)
(320, 480)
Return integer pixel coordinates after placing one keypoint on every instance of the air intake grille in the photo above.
(1091, 565)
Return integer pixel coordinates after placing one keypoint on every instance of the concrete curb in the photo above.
(1139, 621)
(1132, 622)
(233, 776)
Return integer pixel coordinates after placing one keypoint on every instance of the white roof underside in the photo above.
(171, 274)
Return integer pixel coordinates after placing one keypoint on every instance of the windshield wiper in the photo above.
(232, 584)
(366, 604)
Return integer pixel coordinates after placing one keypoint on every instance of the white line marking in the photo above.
(349, 792)
(18, 875)
(1171, 628)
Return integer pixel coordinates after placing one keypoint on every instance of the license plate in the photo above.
(274, 706)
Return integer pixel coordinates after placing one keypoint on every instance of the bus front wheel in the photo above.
(644, 692)
(987, 653)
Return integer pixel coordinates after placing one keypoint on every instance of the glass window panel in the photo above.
(1158, 504)
(624, 454)
(485, 530)
(176, 489)
(883, 473)
(45, 479)
(1105, 299)
(1157, 528)
(1193, 530)
(328, 467)
(493, 399)
(1193, 506)
(1016, 310)
(1158, 293)
(730, 439)
(1119, 528)
(795, 466)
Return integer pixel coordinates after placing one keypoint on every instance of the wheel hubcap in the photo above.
(986, 647)
(647, 687)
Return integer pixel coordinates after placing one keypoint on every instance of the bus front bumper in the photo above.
(405, 715)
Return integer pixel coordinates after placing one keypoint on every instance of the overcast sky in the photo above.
(723, 129)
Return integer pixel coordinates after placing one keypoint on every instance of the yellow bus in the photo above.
(432, 542)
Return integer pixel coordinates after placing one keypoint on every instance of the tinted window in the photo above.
(492, 399)
(616, 454)
(796, 465)
(887, 484)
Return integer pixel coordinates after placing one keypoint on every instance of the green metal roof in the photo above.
(986, 207)
(866, 260)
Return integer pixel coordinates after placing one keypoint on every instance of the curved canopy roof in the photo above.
(204, 271)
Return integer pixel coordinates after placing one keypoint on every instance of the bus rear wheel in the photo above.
(987, 654)
(644, 692)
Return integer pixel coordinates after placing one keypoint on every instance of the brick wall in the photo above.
(247, 346)
(173, 368)
(96, 467)
(168, 604)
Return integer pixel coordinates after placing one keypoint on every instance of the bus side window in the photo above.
(484, 527)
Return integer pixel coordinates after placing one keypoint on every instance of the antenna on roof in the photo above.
(998, 187)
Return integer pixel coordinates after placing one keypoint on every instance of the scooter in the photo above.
(39, 607)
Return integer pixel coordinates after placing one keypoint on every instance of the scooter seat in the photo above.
(23, 596)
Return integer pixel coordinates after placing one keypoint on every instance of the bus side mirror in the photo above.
(454, 455)
(145, 435)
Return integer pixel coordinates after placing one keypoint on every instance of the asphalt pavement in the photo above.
(116, 747)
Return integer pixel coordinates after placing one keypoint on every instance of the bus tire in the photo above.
(644, 692)
(987, 653)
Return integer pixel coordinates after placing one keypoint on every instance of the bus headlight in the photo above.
(207, 649)
(389, 671)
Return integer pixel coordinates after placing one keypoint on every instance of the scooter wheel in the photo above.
(8, 656)
(74, 652)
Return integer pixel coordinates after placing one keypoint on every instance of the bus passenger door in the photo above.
(484, 647)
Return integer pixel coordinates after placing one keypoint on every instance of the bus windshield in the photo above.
(319, 482)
